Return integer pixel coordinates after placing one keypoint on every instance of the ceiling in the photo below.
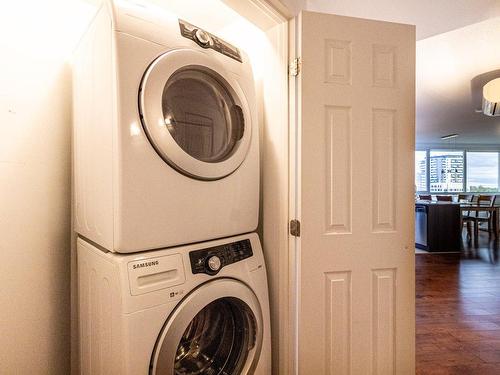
(449, 84)
(430, 16)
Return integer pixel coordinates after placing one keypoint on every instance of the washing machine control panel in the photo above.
(206, 40)
(211, 260)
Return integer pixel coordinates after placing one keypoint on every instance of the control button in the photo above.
(202, 37)
(214, 263)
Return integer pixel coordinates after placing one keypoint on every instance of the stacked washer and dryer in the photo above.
(166, 193)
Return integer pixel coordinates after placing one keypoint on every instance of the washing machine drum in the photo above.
(216, 330)
(195, 114)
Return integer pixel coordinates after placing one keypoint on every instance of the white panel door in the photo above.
(354, 145)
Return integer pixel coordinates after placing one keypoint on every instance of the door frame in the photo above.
(272, 18)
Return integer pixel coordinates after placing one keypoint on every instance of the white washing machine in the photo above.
(166, 148)
(196, 309)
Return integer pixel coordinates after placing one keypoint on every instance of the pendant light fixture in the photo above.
(491, 98)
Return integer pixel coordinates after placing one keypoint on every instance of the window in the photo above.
(421, 170)
(456, 171)
(482, 172)
(446, 171)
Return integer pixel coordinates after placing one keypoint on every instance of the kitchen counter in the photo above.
(438, 226)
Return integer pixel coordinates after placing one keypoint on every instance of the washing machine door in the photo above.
(215, 330)
(195, 114)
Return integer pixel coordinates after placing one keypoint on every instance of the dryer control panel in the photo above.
(206, 40)
(212, 259)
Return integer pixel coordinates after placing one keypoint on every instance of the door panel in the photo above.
(355, 141)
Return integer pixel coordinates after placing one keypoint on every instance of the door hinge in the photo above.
(295, 228)
(294, 67)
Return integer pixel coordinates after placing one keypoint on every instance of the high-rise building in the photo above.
(446, 173)
(421, 174)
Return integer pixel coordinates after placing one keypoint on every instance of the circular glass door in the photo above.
(202, 116)
(195, 115)
(217, 340)
(210, 336)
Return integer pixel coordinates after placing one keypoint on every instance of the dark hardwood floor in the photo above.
(458, 311)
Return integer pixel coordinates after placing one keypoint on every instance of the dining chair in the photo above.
(423, 197)
(479, 217)
(466, 214)
(444, 198)
(496, 200)
(469, 217)
(465, 197)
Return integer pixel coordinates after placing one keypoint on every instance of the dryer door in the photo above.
(195, 114)
(216, 329)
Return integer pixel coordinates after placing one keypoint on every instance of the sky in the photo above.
(482, 169)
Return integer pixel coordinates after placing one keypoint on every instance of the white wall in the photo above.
(35, 119)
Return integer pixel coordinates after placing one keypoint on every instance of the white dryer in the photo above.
(196, 309)
(166, 148)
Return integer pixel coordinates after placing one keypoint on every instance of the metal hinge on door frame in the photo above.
(294, 67)
(295, 228)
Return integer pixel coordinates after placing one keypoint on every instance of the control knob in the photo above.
(202, 37)
(214, 263)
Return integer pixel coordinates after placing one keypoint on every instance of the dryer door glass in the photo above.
(202, 113)
(217, 340)
(196, 114)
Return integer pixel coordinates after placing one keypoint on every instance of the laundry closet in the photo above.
(166, 172)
